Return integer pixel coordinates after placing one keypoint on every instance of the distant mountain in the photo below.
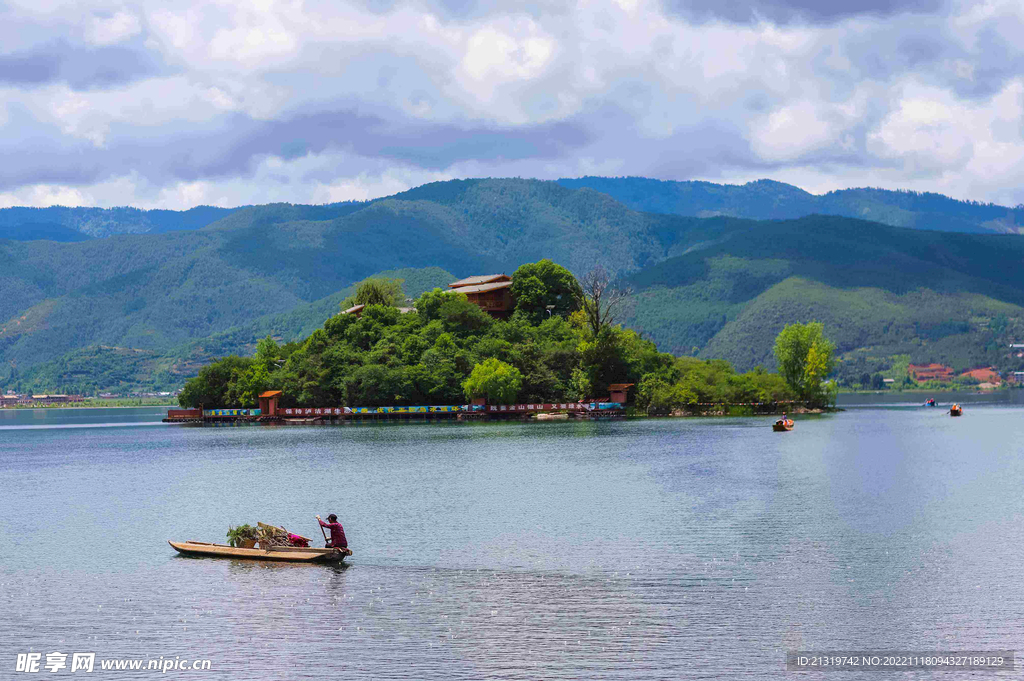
(26, 224)
(770, 200)
(760, 200)
(154, 306)
(155, 292)
(100, 367)
(31, 231)
(880, 290)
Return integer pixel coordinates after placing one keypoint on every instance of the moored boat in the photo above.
(782, 425)
(292, 554)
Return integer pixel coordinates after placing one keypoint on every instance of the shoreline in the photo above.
(29, 407)
(466, 417)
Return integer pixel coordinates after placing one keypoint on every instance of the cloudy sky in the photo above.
(170, 105)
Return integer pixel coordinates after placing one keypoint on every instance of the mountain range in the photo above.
(717, 270)
(770, 200)
(760, 200)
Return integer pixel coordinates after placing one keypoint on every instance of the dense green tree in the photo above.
(655, 395)
(247, 384)
(268, 353)
(579, 385)
(544, 287)
(805, 358)
(377, 291)
(495, 380)
(211, 387)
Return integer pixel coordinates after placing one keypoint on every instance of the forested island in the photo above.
(561, 342)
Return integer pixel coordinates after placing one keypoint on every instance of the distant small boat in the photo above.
(782, 425)
(956, 411)
(930, 402)
(291, 554)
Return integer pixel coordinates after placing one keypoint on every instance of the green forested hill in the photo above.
(880, 291)
(770, 200)
(100, 367)
(154, 292)
(715, 286)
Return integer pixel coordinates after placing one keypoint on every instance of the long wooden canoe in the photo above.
(293, 554)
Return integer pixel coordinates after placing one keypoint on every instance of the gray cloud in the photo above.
(82, 68)
(235, 147)
(29, 68)
(787, 11)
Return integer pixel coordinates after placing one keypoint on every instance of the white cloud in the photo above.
(791, 132)
(179, 30)
(112, 29)
(493, 55)
(929, 131)
(42, 195)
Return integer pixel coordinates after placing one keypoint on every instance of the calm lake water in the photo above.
(649, 549)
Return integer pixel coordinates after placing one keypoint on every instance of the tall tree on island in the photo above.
(600, 300)
(545, 288)
(805, 359)
(495, 380)
(377, 291)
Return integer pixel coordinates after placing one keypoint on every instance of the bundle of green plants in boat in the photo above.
(243, 536)
(268, 536)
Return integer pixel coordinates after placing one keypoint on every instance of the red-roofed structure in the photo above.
(268, 402)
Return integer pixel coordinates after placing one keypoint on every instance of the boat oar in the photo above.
(326, 540)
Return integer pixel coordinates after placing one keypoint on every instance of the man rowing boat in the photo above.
(338, 540)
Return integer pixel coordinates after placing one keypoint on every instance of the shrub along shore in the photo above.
(561, 343)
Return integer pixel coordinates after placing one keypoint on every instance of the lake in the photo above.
(644, 549)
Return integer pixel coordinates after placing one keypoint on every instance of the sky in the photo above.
(172, 105)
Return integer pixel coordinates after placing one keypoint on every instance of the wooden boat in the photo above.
(956, 411)
(292, 554)
(782, 425)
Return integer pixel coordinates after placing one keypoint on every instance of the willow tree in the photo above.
(495, 380)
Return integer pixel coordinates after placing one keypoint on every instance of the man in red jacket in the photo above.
(338, 540)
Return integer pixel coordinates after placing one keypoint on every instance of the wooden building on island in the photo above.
(492, 293)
